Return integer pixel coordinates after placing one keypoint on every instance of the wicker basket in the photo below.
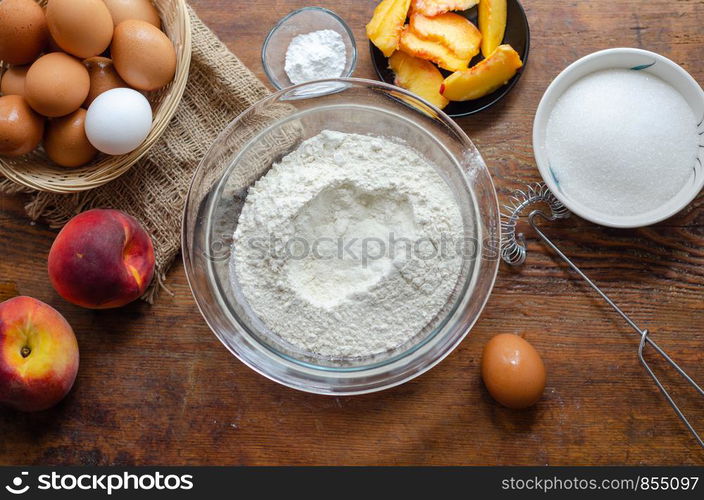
(35, 170)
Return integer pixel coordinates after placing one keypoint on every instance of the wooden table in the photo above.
(156, 387)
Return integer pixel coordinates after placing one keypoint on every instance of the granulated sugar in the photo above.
(621, 142)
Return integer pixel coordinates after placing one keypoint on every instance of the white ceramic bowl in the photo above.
(627, 58)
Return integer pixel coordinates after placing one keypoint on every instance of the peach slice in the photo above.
(384, 29)
(38, 355)
(455, 32)
(438, 53)
(435, 7)
(483, 78)
(419, 76)
(492, 24)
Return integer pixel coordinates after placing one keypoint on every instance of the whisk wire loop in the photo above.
(513, 245)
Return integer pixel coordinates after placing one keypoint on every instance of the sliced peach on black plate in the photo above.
(426, 45)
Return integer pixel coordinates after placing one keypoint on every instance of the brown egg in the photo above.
(20, 128)
(513, 371)
(102, 77)
(12, 82)
(80, 27)
(65, 141)
(143, 55)
(122, 10)
(23, 31)
(56, 84)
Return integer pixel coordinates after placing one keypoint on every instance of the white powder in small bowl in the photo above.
(621, 142)
(315, 56)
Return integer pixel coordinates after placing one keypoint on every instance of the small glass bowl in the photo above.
(299, 22)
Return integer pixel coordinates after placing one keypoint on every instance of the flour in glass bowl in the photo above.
(354, 192)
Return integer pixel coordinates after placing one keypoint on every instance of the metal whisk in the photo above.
(513, 251)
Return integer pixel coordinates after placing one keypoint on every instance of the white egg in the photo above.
(118, 121)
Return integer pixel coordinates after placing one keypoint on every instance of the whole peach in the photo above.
(38, 355)
(101, 259)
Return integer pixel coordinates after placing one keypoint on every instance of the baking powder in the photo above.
(313, 251)
(315, 56)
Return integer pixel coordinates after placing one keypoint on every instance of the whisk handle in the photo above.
(645, 339)
(644, 336)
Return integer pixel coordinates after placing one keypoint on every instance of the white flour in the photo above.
(315, 56)
(364, 192)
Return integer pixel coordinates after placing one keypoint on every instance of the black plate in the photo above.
(517, 35)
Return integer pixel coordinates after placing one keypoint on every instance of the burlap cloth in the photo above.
(154, 190)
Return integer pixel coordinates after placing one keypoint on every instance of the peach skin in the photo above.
(38, 355)
(101, 259)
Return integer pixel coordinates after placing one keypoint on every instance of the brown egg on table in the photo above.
(65, 140)
(122, 10)
(23, 31)
(56, 84)
(103, 77)
(12, 82)
(21, 128)
(80, 27)
(513, 371)
(143, 55)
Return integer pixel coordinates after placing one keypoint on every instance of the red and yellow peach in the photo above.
(38, 355)
(101, 259)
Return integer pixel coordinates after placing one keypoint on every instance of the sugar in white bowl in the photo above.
(621, 142)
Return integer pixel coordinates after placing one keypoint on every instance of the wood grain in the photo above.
(156, 387)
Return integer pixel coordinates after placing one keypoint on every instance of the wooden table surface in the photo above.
(156, 387)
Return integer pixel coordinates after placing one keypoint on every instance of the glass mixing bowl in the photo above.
(261, 136)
